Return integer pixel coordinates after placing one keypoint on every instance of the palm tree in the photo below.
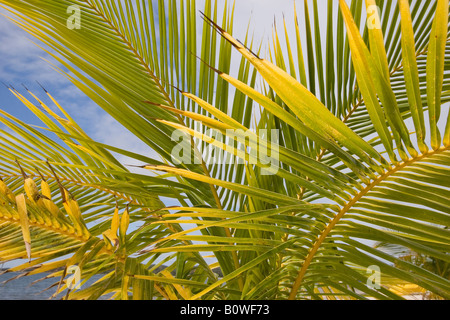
(359, 156)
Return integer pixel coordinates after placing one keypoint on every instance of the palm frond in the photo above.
(346, 174)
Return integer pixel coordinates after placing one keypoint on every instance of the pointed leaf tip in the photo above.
(215, 25)
(25, 176)
(45, 90)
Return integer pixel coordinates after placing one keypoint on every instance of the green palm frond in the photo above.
(361, 159)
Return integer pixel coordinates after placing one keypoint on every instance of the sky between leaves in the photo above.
(22, 62)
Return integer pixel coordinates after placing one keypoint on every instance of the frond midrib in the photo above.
(115, 194)
(54, 229)
(329, 227)
(134, 51)
(37, 224)
(157, 81)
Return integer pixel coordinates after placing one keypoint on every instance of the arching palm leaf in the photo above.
(350, 174)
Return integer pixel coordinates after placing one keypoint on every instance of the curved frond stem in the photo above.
(323, 235)
(80, 183)
(135, 53)
(52, 228)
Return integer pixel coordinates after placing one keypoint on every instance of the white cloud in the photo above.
(21, 58)
(22, 63)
